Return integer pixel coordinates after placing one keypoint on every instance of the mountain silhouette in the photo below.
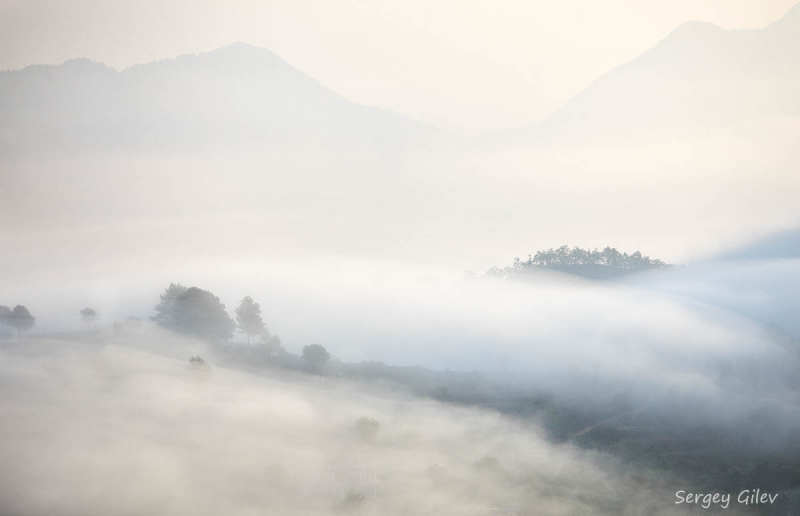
(238, 94)
(698, 75)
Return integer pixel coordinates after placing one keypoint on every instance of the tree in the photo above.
(89, 315)
(275, 347)
(165, 309)
(248, 317)
(21, 319)
(272, 343)
(315, 356)
(199, 313)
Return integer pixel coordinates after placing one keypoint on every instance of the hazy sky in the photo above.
(461, 64)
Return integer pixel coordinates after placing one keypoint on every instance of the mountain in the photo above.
(238, 94)
(699, 75)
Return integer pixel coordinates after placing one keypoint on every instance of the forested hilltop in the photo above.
(596, 264)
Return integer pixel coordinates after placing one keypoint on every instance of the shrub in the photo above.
(199, 366)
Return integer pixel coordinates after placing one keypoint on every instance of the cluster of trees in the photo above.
(199, 313)
(574, 258)
(19, 318)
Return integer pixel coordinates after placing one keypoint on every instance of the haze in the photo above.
(467, 67)
(399, 258)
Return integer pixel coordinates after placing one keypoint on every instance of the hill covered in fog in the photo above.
(238, 94)
(699, 75)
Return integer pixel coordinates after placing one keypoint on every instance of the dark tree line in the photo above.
(574, 258)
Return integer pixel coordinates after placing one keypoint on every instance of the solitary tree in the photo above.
(89, 315)
(199, 313)
(165, 309)
(248, 318)
(21, 319)
(315, 356)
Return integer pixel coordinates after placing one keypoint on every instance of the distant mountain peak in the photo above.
(696, 26)
(235, 95)
(240, 48)
(789, 21)
(235, 57)
(699, 75)
(82, 64)
(694, 33)
(238, 45)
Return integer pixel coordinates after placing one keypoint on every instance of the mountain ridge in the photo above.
(236, 94)
(698, 73)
